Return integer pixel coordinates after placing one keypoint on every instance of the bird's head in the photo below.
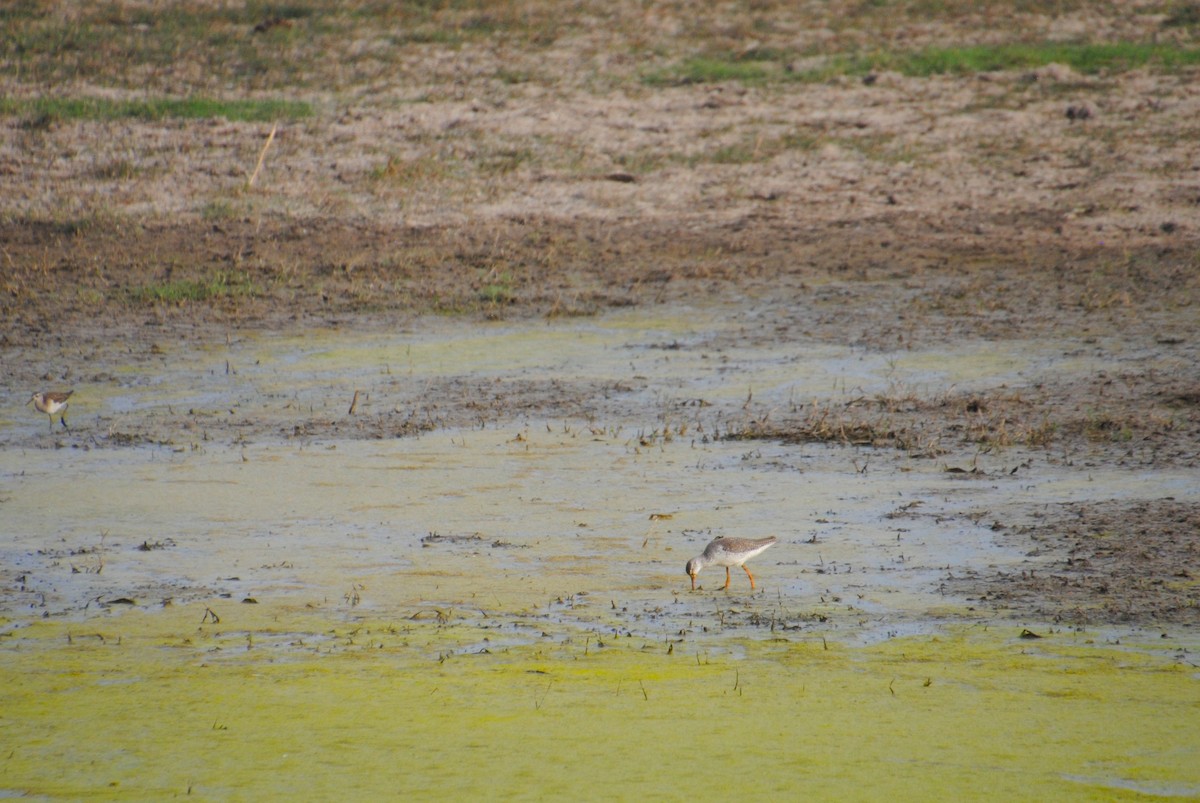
(692, 569)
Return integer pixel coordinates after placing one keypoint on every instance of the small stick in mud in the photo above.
(353, 404)
(537, 704)
(262, 156)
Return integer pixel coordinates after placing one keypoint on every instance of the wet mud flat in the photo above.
(985, 412)
(234, 571)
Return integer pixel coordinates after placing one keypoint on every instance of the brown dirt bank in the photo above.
(269, 272)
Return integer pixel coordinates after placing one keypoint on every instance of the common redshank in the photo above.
(729, 552)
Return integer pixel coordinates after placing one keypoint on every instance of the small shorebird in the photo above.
(729, 552)
(52, 404)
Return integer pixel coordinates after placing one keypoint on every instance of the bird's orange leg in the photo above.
(726, 577)
(748, 575)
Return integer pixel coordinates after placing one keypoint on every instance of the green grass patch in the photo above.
(497, 287)
(771, 65)
(154, 109)
(1085, 58)
(496, 294)
(223, 284)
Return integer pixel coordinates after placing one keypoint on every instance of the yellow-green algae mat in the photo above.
(155, 704)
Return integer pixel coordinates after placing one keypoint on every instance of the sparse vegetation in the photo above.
(407, 172)
(218, 209)
(927, 428)
(1087, 58)
(708, 70)
(116, 170)
(264, 47)
(41, 111)
(222, 285)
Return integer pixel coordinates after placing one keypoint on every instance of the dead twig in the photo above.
(262, 156)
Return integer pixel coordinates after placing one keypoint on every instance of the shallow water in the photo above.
(474, 610)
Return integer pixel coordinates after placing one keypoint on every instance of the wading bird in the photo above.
(729, 552)
(52, 404)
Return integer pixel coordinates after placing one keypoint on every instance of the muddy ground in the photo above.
(884, 212)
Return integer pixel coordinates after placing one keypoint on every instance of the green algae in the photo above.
(149, 705)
